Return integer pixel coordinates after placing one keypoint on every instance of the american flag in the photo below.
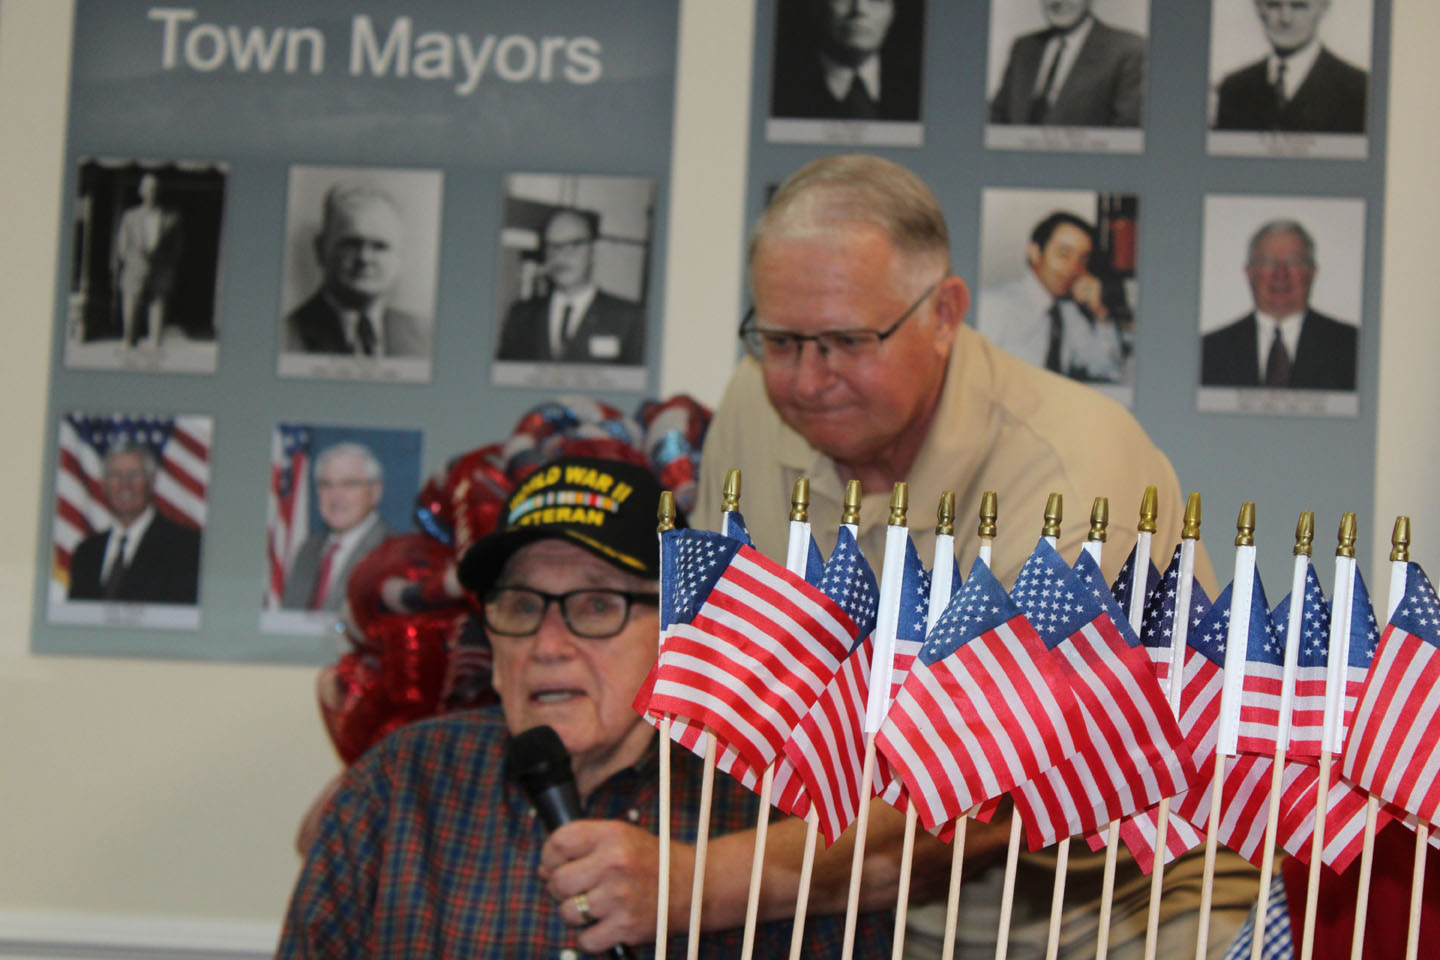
(1394, 749)
(1257, 721)
(1121, 587)
(181, 446)
(288, 521)
(985, 708)
(1344, 817)
(1130, 756)
(1307, 714)
(1157, 628)
(1359, 652)
(914, 607)
(746, 646)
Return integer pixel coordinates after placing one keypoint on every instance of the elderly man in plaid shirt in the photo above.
(428, 850)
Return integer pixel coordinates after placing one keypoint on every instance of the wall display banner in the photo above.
(301, 227)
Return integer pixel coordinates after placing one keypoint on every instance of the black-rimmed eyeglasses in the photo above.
(783, 347)
(593, 614)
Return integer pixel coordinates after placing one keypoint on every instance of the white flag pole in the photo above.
(878, 704)
(1172, 685)
(1236, 643)
(666, 516)
(1094, 545)
(850, 520)
(729, 504)
(796, 556)
(941, 568)
(1135, 591)
(989, 510)
(1399, 559)
(1054, 513)
(1333, 734)
(1304, 538)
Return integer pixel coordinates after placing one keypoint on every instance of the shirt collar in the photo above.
(1297, 66)
(1289, 333)
(138, 526)
(838, 76)
(349, 538)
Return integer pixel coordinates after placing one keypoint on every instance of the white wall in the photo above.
(153, 803)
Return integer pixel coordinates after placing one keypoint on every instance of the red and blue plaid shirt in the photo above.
(428, 850)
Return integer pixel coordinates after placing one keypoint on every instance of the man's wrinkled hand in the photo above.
(616, 866)
(1089, 293)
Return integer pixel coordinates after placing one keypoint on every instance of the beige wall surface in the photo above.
(150, 802)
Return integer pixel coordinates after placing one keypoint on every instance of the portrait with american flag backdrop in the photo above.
(129, 557)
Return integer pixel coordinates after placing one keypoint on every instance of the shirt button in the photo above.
(632, 815)
(568, 954)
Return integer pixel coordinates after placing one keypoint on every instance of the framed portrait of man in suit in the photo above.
(1058, 284)
(132, 496)
(571, 282)
(1290, 78)
(336, 493)
(847, 72)
(1281, 300)
(1067, 75)
(361, 259)
(145, 266)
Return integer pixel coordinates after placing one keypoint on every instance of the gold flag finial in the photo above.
(665, 513)
(1054, 513)
(989, 515)
(851, 512)
(899, 503)
(730, 493)
(1149, 510)
(1400, 539)
(1305, 533)
(1191, 529)
(1245, 525)
(945, 515)
(1349, 530)
(800, 500)
(1099, 519)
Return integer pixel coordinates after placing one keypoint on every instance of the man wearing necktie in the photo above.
(1299, 85)
(1282, 343)
(144, 557)
(1077, 72)
(349, 483)
(1054, 314)
(576, 321)
(847, 60)
(360, 251)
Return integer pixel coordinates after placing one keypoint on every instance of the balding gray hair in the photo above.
(129, 445)
(371, 466)
(859, 189)
(346, 195)
(1273, 227)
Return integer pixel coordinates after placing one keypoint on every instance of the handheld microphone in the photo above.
(539, 762)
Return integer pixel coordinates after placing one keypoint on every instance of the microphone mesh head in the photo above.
(538, 760)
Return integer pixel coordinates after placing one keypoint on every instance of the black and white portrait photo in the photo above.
(571, 281)
(1280, 304)
(131, 501)
(1067, 75)
(361, 257)
(847, 71)
(1058, 282)
(145, 266)
(1290, 78)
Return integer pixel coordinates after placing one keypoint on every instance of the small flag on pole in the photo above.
(1307, 715)
(1157, 626)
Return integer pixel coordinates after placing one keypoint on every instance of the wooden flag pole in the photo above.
(989, 514)
(1304, 538)
(1236, 645)
(887, 616)
(1179, 630)
(941, 567)
(1417, 888)
(1149, 508)
(1054, 514)
(729, 503)
(797, 556)
(1333, 731)
(1094, 545)
(849, 517)
(666, 516)
(1399, 557)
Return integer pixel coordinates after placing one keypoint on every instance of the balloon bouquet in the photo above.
(413, 644)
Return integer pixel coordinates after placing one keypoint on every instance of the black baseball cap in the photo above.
(607, 507)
